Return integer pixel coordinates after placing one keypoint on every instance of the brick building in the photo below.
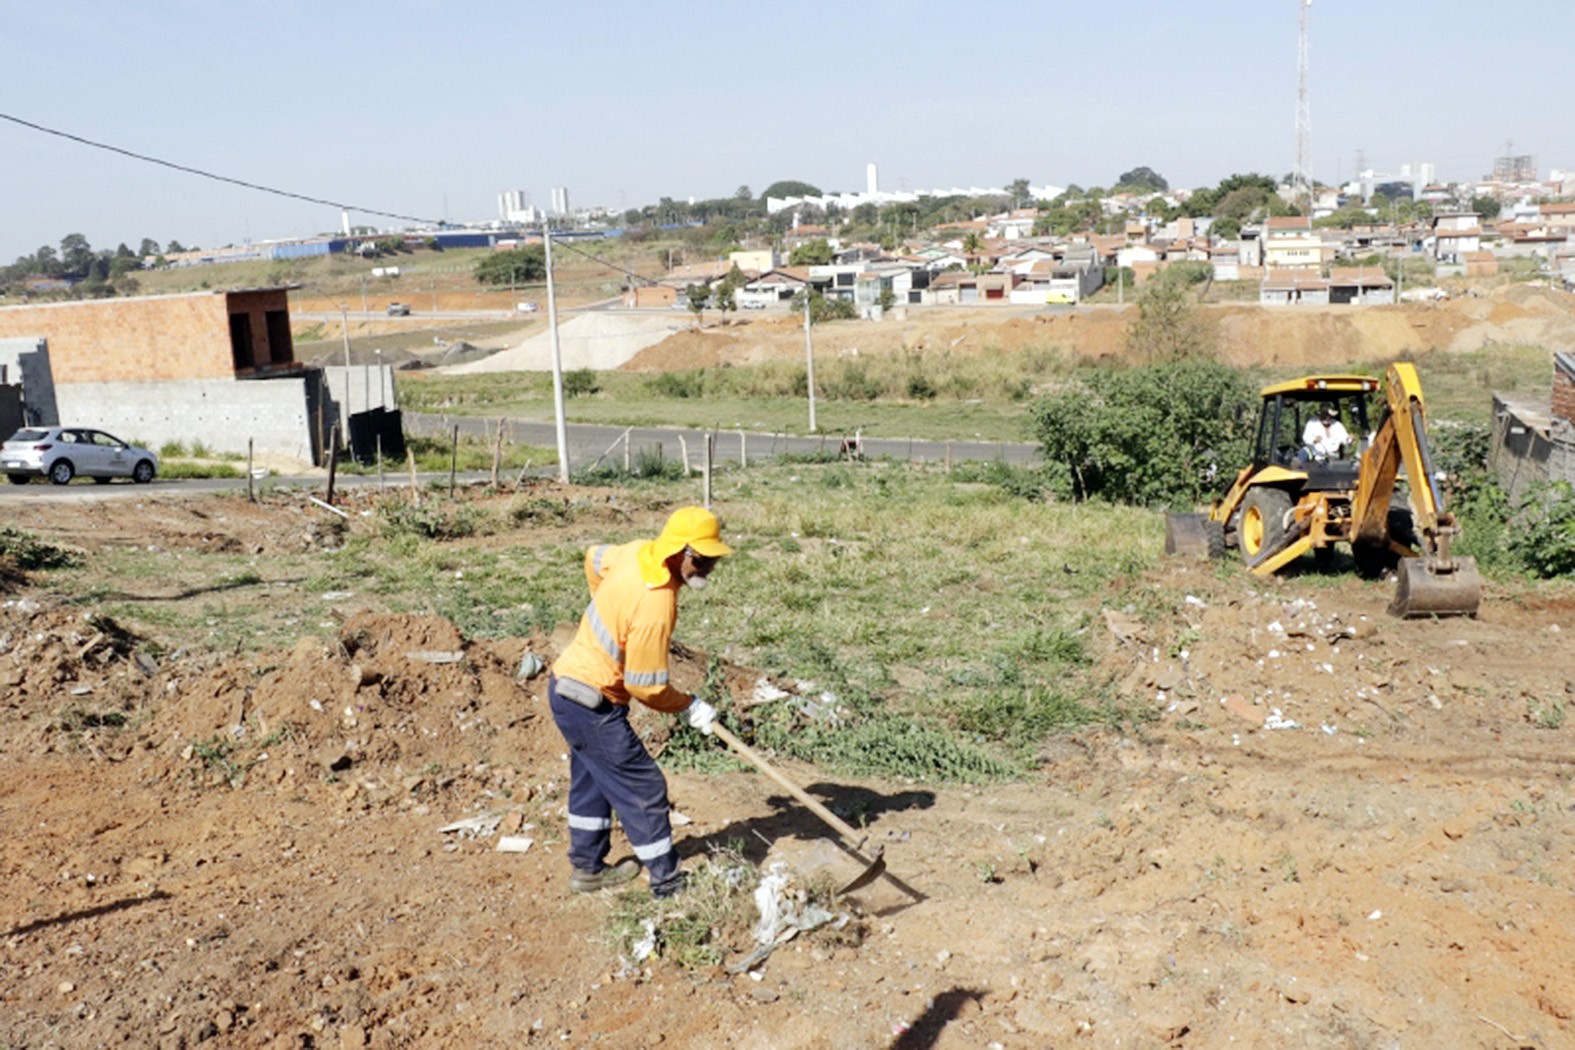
(216, 367)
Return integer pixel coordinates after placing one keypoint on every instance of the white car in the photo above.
(62, 453)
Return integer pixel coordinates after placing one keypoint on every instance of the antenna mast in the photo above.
(1301, 182)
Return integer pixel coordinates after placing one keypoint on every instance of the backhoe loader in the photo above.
(1289, 501)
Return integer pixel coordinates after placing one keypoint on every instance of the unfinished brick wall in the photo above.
(1563, 393)
(151, 338)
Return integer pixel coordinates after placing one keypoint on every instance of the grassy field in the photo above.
(950, 621)
(994, 403)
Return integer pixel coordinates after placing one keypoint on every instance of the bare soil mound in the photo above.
(1293, 337)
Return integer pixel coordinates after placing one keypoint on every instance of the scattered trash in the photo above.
(478, 827)
(642, 948)
(1276, 720)
(433, 656)
(515, 844)
(784, 914)
(531, 665)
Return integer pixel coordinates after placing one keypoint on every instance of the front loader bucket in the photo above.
(1425, 589)
(1185, 535)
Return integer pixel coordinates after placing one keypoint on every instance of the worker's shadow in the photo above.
(859, 806)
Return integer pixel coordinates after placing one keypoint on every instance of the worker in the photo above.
(619, 654)
(1324, 436)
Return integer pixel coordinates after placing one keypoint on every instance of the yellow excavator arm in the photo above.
(1433, 583)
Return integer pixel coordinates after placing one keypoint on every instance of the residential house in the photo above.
(754, 261)
(954, 288)
(904, 284)
(1362, 285)
(1291, 287)
(1454, 234)
(1289, 243)
(772, 288)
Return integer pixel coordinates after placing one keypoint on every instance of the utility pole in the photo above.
(344, 322)
(809, 361)
(557, 360)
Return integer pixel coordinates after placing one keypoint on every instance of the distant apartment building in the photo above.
(514, 206)
(560, 201)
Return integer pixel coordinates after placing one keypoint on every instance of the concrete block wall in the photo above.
(25, 361)
(222, 414)
(367, 386)
(163, 337)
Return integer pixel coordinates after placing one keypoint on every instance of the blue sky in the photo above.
(431, 108)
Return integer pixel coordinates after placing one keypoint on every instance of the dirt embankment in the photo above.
(1333, 830)
(1295, 337)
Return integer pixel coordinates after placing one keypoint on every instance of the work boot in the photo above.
(671, 887)
(593, 881)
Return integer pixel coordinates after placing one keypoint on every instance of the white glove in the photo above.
(701, 715)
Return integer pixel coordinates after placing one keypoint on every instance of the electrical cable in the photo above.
(610, 265)
(216, 177)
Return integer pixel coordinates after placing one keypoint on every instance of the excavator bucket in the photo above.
(1185, 535)
(1426, 589)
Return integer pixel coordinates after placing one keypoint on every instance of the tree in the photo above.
(1017, 189)
(149, 247)
(724, 299)
(789, 188)
(1142, 180)
(515, 266)
(743, 194)
(174, 246)
(697, 295)
(1168, 327)
(822, 308)
(76, 255)
(1487, 207)
(973, 244)
(811, 253)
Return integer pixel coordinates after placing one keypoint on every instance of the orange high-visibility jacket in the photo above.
(621, 645)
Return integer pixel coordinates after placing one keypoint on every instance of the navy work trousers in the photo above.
(609, 769)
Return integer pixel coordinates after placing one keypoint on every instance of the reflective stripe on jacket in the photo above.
(621, 645)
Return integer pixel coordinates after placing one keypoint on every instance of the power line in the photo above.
(216, 177)
(605, 262)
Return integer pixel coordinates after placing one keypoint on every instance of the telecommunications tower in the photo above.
(1301, 182)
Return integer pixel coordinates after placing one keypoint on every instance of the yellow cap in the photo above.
(693, 527)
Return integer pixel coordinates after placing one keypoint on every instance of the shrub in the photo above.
(27, 551)
(1542, 540)
(580, 382)
(1157, 435)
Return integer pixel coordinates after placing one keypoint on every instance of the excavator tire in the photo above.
(1423, 589)
(1214, 536)
(1262, 524)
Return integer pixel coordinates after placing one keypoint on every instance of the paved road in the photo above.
(588, 443)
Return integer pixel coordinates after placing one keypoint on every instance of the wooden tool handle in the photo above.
(848, 833)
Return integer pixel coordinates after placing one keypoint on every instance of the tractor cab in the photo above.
(1283, 428)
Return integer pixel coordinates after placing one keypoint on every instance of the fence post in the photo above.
(453, 462)
(251, 479)
(743, 450)
(710, 450)
(497, 454)
(683, 447)
(333, 461)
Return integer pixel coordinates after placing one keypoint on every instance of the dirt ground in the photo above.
(1338, 830)
(1300, 337)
